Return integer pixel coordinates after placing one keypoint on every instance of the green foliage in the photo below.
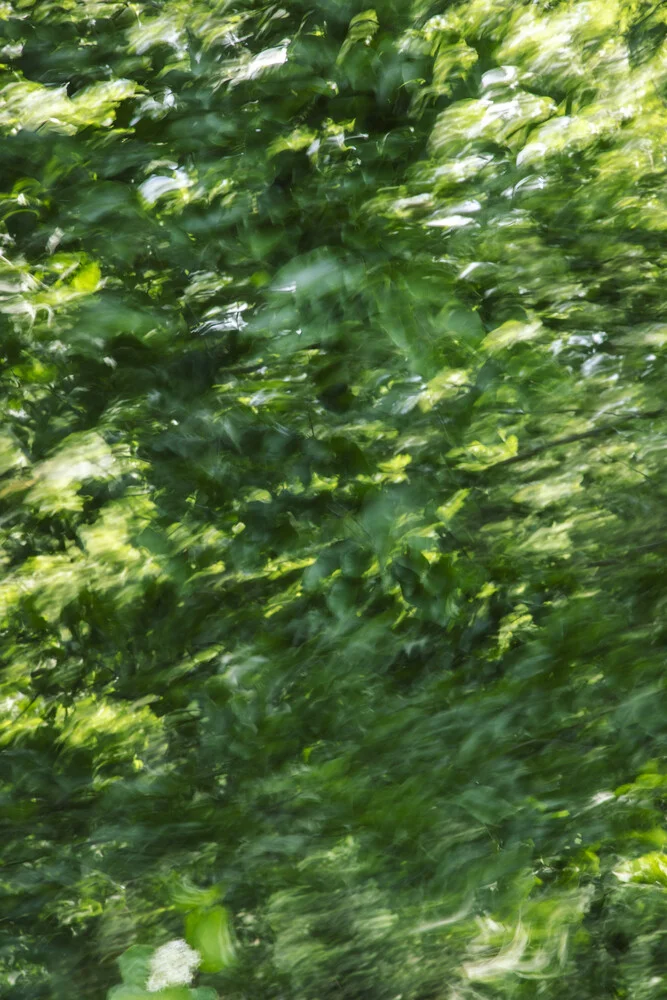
(208, 932)
(332, 352)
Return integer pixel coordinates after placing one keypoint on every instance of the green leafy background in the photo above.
(332, 501)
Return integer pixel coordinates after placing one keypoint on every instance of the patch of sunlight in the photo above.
(214, 570)
(280, 601)
(538, 945)
(542, 494)
(20, 716)
(510, 958)
(452, 61)
(447, 511)
(323, 483)
(159, 185)
(510, 333)
(477, 456)
(112, 563)
(110, 534)
(450, 221)
(517, 622)
(11, 455)
(552, 47)
(456, 171)
(183, 535)
(461, 914)
(31, 106)
(446, 385)
(465, 122)
(372, 571)
(51, 581)
(551, 540)
(299, 138)
(361, 31)
(373, 430)
(87, 280)
(115, 729)
(257, 496)
(82, 456)
(420, 537)
(393, 471)
(651, 869)
(276, 568)
(257, 66)
(166, 30)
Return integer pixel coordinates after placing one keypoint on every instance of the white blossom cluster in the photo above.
(174, 964)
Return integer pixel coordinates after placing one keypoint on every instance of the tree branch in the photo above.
(572, 438)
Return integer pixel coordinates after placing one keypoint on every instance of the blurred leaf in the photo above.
(134, 965)
(209, 932)
(87, 279)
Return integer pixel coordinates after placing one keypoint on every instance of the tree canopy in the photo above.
(333, 349)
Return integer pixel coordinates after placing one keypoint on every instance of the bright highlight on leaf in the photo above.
(209, 932)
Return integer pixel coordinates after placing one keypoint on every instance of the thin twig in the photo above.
(571, 438)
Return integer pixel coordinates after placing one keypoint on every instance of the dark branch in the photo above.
(572, 438)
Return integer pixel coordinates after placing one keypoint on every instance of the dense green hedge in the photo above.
(333, 498)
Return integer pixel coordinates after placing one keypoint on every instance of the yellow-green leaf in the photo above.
(209, 931)
(88, 279)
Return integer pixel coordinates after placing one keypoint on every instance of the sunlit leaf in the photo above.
(209, 932)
